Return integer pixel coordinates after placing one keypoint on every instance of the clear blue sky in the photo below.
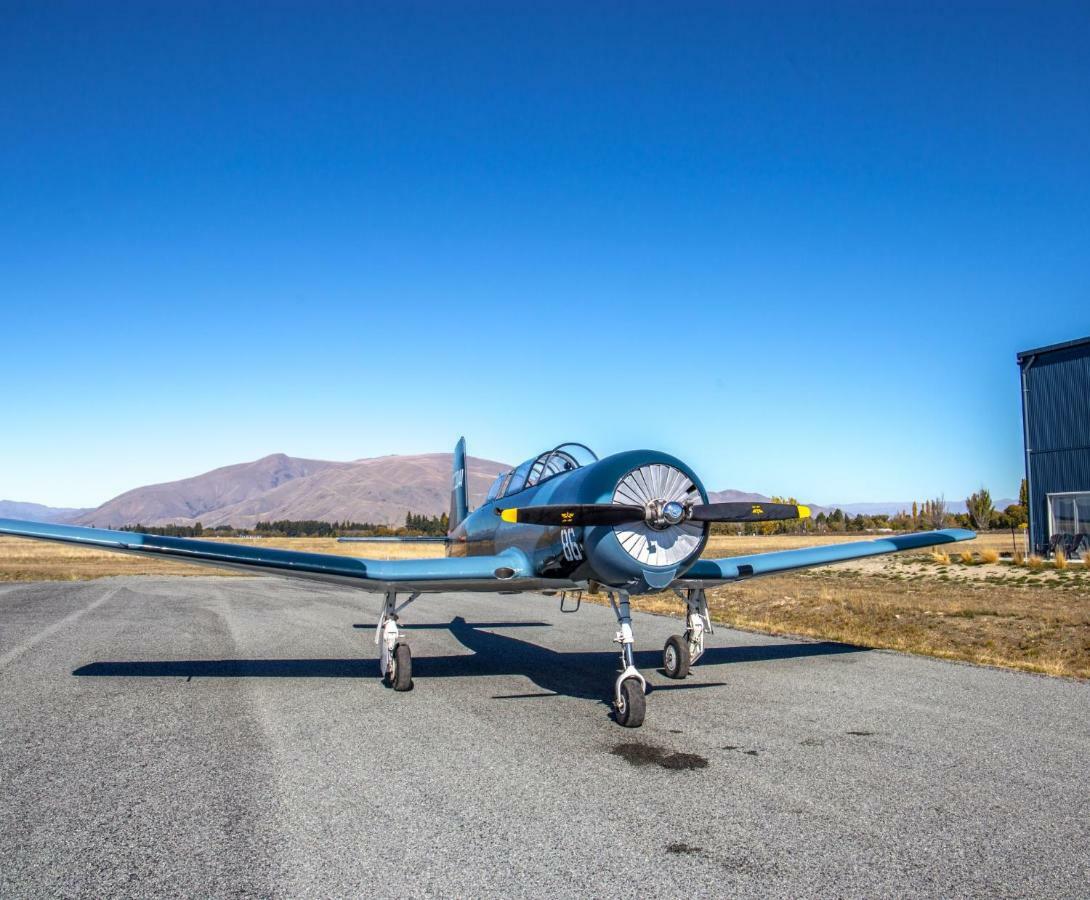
(798, 246)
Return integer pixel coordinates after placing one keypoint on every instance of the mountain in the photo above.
(35, 512)
(380, 490)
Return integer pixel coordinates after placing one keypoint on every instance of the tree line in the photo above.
(933, 513)
(416, 525)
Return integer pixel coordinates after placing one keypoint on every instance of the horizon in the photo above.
(841, 503)
(798, 248)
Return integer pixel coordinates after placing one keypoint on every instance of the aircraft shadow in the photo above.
(581, 674)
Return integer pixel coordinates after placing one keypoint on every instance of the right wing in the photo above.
(510, 570)
(734, 568)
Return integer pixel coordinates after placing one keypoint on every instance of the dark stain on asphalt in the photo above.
(860, 733)
(649, 755)
(740, 750)
(676, 731)
(682, 848)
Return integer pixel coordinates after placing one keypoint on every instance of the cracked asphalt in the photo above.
(231, 737)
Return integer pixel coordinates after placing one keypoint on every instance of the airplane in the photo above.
(563, 522)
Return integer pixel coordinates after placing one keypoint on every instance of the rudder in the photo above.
(459, 490)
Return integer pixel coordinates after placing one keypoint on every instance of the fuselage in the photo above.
(637, 558)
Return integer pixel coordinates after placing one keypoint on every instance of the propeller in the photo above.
(657, 514)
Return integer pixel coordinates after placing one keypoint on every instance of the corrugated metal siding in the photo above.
(1058, 420)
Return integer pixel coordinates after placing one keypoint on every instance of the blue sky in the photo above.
(797, 245)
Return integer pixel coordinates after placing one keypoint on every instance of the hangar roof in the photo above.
(1067, 345)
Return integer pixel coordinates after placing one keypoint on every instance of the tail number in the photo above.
(568, 543)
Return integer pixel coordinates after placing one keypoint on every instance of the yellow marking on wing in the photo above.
(804, 512)
(510, 515)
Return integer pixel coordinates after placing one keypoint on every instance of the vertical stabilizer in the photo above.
(459, 496)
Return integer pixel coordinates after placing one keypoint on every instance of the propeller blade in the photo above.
(748, 512)
(574, 515)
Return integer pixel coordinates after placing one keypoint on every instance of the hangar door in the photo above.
(1069, 521)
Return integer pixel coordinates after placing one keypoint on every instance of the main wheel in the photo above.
(675, 657)
(633, 705)
(400, 677)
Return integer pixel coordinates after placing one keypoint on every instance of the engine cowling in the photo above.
(647, 555)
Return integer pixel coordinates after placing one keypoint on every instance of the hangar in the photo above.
(1056, 427)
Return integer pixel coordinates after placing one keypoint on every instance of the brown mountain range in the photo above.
(379, 490)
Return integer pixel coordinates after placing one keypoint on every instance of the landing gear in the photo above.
(395, 658)
(675, 657)
(682, 651)
(630, 689)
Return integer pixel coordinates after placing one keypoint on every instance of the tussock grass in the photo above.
(1035, 563)
(1059, 560)
(989, 556)
(940, 556)
(1018, 558)
(967, 558)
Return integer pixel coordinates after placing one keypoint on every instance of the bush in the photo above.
(941, 557)
(1059, 559)
(966, 557)
(1018, 558)
(1035, 562)
(989, 556)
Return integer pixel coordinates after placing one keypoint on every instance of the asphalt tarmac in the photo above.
(231, 737)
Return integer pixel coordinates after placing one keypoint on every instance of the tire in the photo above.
(633, 705)
(401, 678)
(675, 657)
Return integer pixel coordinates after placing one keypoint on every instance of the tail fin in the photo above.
(459, 496)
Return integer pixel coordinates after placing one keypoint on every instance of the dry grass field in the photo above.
(985, 612)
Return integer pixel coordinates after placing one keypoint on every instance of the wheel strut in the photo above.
(395, 658)
(630, 688)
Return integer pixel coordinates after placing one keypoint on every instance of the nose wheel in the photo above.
(630, 688)
(631, 704)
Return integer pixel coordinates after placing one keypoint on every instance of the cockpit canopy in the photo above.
(561, 459)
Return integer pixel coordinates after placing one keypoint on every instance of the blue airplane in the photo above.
(563, 522)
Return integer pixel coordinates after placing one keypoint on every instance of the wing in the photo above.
(507, 571)
(733, 568)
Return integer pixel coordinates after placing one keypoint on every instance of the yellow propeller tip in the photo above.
(509, 515)
(804, 512)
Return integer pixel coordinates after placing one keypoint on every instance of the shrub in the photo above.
(1018, 558)
(1059, 559)
(966, 557)
(1035, 562)
(941, 557)
(989, 556)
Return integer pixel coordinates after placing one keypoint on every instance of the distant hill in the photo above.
(35, 512)
(380, 490)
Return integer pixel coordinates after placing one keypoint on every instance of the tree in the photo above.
(934, 512)
(981, 509)
(1023, 496)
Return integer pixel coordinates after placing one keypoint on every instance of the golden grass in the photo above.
(940, 556)
(1059, 560)
(1018, 558)
(989, 556)
(1035, 563)
(967, 558)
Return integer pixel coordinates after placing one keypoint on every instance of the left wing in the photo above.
(733, 568)
(509, 570)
